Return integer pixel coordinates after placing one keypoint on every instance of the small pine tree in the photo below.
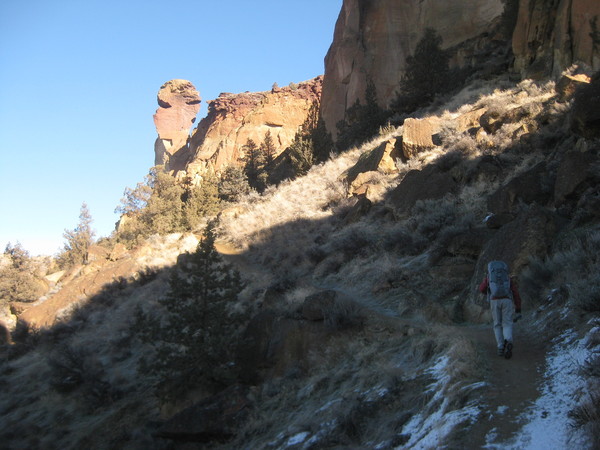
(268, 149)
(233, 184)
(254, 164)
(78, 240)
(362, 122)
(194, 346)
(201, 201)
(301, 153)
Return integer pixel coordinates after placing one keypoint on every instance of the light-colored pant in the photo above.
(502, 314)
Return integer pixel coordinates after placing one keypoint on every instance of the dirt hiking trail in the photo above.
(512, 384)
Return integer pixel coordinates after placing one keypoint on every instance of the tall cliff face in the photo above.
(232, 119)
(372, 39)
(551, 35)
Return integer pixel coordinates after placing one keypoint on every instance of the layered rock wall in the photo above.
(373, 38)
(232, 119)
(551, 35)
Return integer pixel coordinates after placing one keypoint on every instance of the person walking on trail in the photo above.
(505, 301)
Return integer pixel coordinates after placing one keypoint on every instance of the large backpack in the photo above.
(498, 280)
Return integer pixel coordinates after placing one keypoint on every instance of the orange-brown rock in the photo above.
(179, 103)
(232, 119)
(382, 158)
(373, 39)
(548, 39)
(417, 136)
(568, 84)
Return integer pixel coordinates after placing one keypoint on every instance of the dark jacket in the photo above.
(483, 288)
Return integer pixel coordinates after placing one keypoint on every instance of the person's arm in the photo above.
(483, 287)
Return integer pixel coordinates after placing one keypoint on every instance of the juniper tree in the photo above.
(194, 345)
(233, 184)
(427, 74)
(268, 149)
(78, 240)
(17, 282)
(254, 164)
(362, 121)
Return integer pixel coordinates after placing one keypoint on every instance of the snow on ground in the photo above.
(430, 430)
(546, 422)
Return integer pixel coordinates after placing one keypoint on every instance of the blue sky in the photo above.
(78, 85)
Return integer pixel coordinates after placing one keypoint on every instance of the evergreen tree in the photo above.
(17, 281)
(194, 345)
(254, 164)
(268, 149)
(78, 240)
(362, 122)
(201, 201)
(233, 184)
(301, 153)
(427, 75)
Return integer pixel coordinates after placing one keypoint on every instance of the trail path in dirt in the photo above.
(512, 384)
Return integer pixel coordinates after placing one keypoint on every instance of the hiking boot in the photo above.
(508, 351)
(500, 351)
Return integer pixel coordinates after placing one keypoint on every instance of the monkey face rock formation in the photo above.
(179, 103)
(232, 119)
(373, 38)
(551, 36)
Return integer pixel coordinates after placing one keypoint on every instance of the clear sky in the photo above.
(78, 85)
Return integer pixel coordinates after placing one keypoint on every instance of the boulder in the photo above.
(585, 117)
(179, 103)
(469, 120)
(426, 184)
(360, 209)
(273, 344)
(469, 243)
(382, 159)
(528, 236)
(573, 175)
(216, 419)
(417, 137)
(491, 121)
(4, 334)
(528, 187)
(568, 84)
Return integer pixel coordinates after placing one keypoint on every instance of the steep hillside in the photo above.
(340, 309)
(361, 324)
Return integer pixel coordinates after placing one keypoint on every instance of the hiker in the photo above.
(505, 301)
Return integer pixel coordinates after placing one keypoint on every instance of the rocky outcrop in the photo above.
(232, 119)
(551, 36)
(178, 102)
(382, 158)
(430, 183)
(417, 137)
(373, 39)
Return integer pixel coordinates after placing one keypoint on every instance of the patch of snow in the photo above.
(501, 409)
(297, 439)
(546, 422)
(431, 430)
